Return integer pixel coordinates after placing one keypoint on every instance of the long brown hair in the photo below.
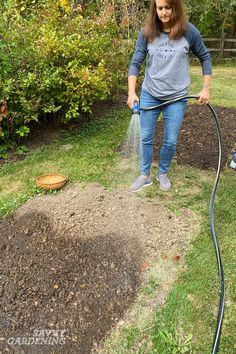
(178, 25)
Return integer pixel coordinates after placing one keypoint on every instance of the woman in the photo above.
(166, 40)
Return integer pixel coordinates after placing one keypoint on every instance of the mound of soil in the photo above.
(198, 143)
(74, 262)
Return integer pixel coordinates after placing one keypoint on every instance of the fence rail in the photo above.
(222, 46)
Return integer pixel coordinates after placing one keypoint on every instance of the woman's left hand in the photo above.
(204, 96)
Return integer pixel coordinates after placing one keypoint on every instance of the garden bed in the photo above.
(198, 144)
(75, 262)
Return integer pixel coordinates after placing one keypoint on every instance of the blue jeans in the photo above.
(173, 115)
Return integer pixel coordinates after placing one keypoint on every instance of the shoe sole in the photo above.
(145, 185)
(163, 189)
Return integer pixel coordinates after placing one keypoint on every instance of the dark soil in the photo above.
(198, 143)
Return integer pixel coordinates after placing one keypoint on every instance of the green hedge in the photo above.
(56, 63)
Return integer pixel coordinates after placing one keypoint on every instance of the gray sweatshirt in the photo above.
(167, 65)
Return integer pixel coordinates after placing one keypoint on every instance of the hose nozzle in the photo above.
(135, 108)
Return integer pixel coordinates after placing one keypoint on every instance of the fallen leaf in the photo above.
(176, 258)
(164, 256)
(145, 266)
(3, 107)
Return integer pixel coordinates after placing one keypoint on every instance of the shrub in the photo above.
(55, 62)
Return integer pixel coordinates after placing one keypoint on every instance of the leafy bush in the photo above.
(55, 62)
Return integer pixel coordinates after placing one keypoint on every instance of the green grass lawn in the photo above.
(89, 153)
(223, 90)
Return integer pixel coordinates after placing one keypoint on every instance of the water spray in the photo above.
(134, 131)
(132, 148)
(211, 215)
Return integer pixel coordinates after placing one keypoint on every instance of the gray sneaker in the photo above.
(164, 181)
(139, 183)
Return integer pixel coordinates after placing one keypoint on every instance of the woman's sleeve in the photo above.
(199, 49)
(138, 56)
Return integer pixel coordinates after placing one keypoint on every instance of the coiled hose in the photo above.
(211, 214)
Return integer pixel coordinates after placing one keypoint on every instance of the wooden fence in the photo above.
(222, 46)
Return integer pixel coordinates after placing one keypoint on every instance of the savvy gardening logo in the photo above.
(41, 337)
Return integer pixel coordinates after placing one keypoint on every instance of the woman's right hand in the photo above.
(131, 99)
